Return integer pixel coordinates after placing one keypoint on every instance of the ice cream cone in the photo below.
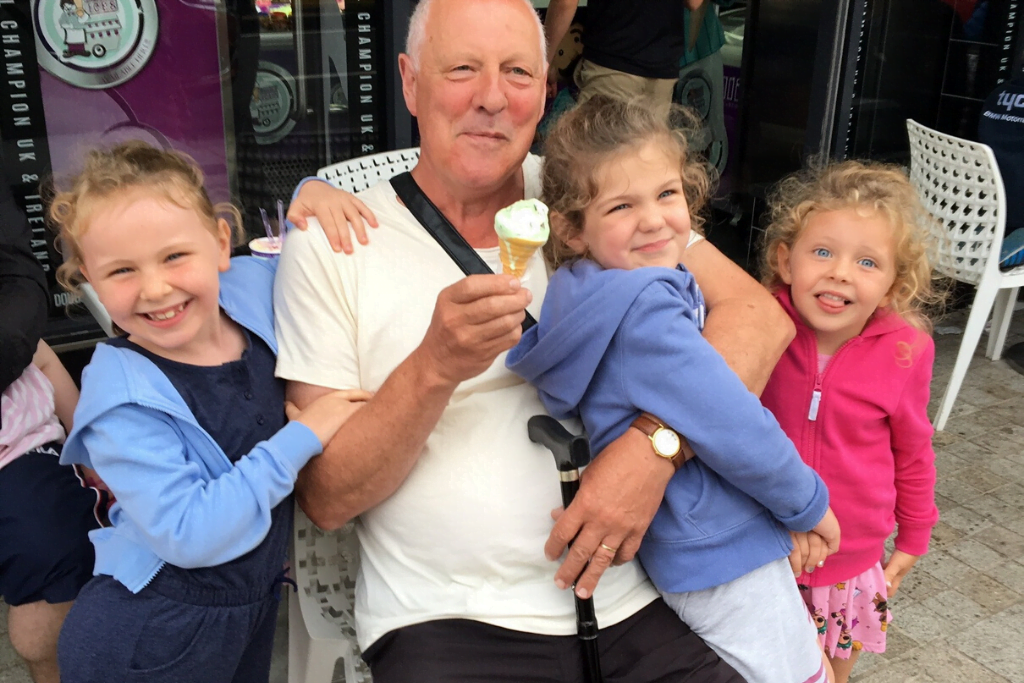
(515, 255)
(521, 229)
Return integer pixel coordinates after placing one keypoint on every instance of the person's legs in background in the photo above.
(33, 629)
(598, 80)
(45, 553)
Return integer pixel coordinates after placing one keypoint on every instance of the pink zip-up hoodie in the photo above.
(862, 424)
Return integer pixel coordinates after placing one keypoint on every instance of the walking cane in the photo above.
(571, 452)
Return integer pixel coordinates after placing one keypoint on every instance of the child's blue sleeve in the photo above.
(186, 519)
(674, 373)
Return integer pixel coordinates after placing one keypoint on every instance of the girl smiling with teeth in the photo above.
(184, 420)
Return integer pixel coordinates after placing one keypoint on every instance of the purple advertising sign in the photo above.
(78, 74)
(114, 70)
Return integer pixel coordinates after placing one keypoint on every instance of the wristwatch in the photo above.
(666, 442)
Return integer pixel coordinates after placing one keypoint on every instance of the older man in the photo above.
(452, 499)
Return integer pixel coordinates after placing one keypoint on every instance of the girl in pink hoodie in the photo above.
(846, 255)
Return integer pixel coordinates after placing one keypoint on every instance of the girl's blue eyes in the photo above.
(822, 252)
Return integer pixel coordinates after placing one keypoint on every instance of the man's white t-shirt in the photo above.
(463, 536)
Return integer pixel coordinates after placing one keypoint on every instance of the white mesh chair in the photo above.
(959, 183)
(361, 173)
(321, 625)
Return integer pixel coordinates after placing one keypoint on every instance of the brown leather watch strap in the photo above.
(648, 424)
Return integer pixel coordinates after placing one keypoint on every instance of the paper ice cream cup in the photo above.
(263, 247)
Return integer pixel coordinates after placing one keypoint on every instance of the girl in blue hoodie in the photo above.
(619, 336)
(183, 419)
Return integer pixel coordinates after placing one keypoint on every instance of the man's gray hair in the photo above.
(418, 32)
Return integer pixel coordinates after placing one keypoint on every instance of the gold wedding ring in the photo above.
(609, 548)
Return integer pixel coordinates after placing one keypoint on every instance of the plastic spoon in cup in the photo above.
(280, 222)
(266, 226)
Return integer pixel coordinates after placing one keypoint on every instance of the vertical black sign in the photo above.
(1006, 58)
(26, 154)
(365, 44)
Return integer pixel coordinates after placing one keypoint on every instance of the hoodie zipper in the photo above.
(819, 377)
(812, 413)
(810, 450)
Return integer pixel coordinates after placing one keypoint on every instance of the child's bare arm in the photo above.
(65, 393)
(337, 212)
(809, 552)
(327, 414)
(897, 567)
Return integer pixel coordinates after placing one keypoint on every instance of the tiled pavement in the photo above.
(959, 616)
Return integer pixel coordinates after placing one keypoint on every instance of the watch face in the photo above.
(666, 442)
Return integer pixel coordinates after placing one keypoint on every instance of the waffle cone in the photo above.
(515, 255)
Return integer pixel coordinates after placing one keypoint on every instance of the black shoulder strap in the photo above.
(441, 229)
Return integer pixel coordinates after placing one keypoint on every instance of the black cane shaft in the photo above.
(586, 620)
(591, 662)
(569, 488)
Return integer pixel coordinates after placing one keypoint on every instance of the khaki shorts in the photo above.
(598, 80)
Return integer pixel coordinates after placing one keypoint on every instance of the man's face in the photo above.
(478, 90)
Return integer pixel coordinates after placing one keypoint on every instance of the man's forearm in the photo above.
(751, 338)
(745, 323)
(556, 23)
(374, 451)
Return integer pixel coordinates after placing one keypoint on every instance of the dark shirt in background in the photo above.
(23, 293)
(639, 38)
(1001, 127)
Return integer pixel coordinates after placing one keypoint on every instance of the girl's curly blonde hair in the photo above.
(882, 188)
(585, 138)
(109, 174)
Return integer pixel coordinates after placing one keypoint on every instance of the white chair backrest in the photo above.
(361, 173)
(958, 182)
(92, 303)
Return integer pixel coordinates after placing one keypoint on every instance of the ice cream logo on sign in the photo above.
(95, 44)
(272, 106)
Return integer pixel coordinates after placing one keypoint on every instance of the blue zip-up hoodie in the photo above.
(179, 499)
(611, 344)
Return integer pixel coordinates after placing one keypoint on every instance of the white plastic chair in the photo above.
(361, 173)
(321, 625)
(959, 183)
(92, 303)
